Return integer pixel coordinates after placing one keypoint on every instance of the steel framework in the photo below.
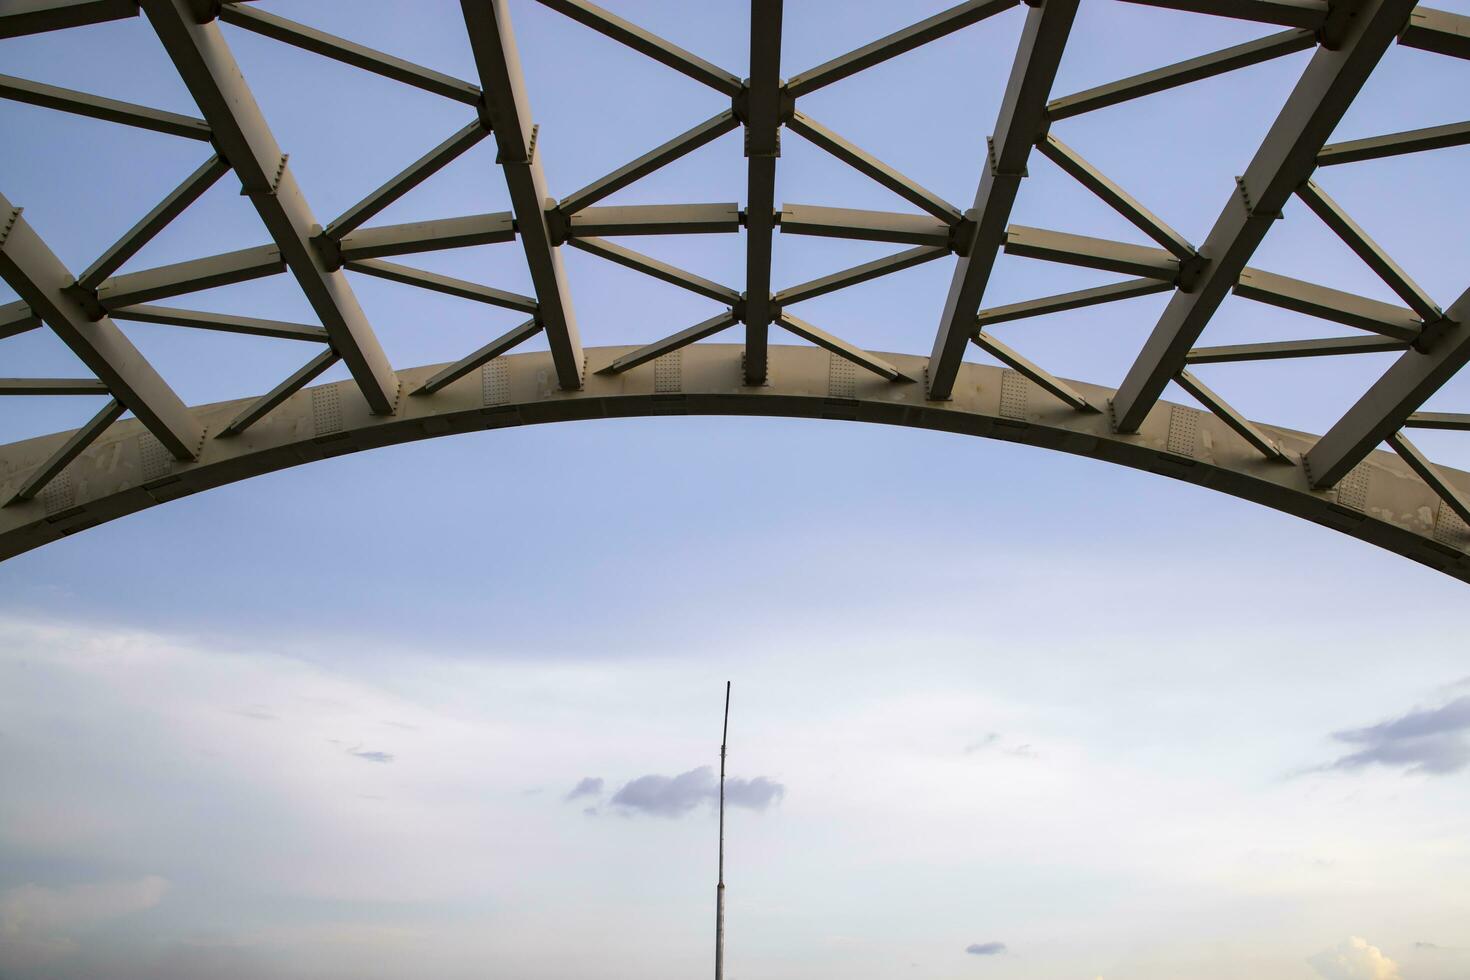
(1398, 499)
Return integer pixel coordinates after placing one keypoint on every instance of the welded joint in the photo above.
(205, 11)
(1191, 270)
(994, 164)
(1335, 26)
(962, 233)
(526, 157)
(269, 190)
(740, 308)
(327, 247)
(482, 113)
(1250, 202)
(558, 223)
(8, 224)
(774, 152)
(1431, 332)
(745, 381)
(86, 299)
(785, 104)
(1111, 411)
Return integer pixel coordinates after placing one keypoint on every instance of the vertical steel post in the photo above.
(720, 888)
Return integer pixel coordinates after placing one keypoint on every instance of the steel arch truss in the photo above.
(56, 485)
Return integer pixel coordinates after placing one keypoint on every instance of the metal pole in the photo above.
(720, 888)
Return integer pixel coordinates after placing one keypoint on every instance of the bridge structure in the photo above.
(1363, 476)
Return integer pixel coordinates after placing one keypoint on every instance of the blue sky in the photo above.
(324, 723)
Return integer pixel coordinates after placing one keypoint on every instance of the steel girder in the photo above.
(204, 61)
(1350, 37)
(509, 114)
(1284, 162)
(1388, 505)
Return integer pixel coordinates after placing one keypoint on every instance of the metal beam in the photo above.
(348, 52)
(1222, 410)
(428, 236)
(840, 347)
(1282, 349)
(1077, 299)
(17, 318)
(154, 221)
(19, 18)
(179, 278)
(859, 273)
(1439, 31)
(1282, 164)
(443, 284)
(1329, 304)
(868, 226)
(407, 179)
(762, 117)
(1395, 144)
(650, 266)
(685, 337)
(660, 156)
(1369, 251)
(69, 451)
(891, 46)
(645, 42)
(100, 107)
(205, 63)
(1438, 420)
(1395, 396)
(1021, 122)
(489, 352)
(870, 166)
(225, 323)
(41, 280)
(493, 43)
(656, 219)
(1115, 197)
(1453, 497)
(263, 405)
(1291, 13)
(1172, 76)
(1091, 253)
(52, 386)
(1056, 386)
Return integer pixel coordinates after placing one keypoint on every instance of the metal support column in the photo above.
(1022, 120)
(499, 63)
(208, 68)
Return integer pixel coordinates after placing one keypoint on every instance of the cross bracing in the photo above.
(1362, 475)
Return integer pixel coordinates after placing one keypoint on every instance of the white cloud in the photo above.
(1355, 959)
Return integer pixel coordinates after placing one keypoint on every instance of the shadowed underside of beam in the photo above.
(1383, 501)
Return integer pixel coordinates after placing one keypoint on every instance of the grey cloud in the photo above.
(674, 796)
(589, 786)
(667, 796)
(753, 794)
(985, 949)
(370, 756)
(1429, 740)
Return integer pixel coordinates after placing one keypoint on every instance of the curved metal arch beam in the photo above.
(1382, 502)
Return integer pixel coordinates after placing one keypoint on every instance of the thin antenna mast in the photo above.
(720, 889)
